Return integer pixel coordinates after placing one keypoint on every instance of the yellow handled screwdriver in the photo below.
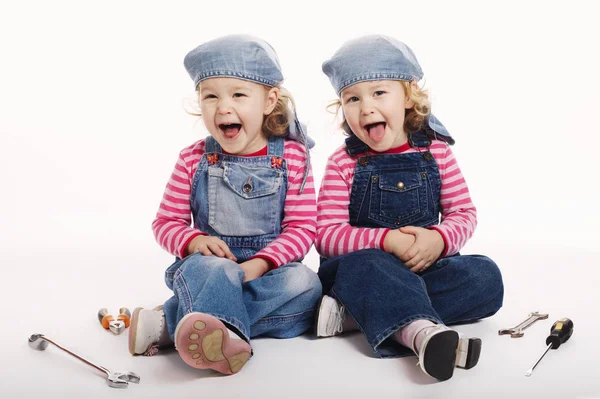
(560, 332)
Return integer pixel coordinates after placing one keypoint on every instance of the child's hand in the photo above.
(209, 245)
(427, 248)
(254, 268)
(397, 243)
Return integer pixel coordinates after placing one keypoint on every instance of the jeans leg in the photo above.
(380, 293)
(282, 303)
(206, 284)
(464, 288)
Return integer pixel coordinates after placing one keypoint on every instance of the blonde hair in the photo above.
(277, 122)
(414, 117)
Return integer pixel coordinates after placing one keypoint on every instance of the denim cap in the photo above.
(235, 56)
(248, 58)
(377, 57)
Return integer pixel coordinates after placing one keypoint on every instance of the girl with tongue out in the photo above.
(393, 212)
(249, 190)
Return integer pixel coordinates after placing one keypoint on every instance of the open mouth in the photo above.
(376, 130)
(230, 130)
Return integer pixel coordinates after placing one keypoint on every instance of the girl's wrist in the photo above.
(264, 264)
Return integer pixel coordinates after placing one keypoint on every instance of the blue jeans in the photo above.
(382, 295)
(280, 304)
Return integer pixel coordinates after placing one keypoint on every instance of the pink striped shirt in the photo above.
(335, 236)
(172, 225)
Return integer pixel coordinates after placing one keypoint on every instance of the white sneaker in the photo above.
(330, 317)
(148, 331)
(442, 349)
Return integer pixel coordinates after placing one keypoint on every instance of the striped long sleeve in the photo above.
(172, 225)
(335, 236)
(299, 225)
(459, 215)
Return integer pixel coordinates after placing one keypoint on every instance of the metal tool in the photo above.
(116, 380)
(560, 332)
(517, 332)
(115, 326)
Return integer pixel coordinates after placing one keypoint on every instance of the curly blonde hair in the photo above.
(414, 117)
(277, 122)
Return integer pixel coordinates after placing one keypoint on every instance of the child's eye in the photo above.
(239, 95)
(206, 97)
(379, 92)
(352, 99)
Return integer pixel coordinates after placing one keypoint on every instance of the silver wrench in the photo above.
(517, 332)
(115, 379)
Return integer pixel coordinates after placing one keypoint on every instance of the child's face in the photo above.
(374, 110)
(233, 111)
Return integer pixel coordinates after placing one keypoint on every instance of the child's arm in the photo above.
(459, 215)
(255, 268)
(171, 227)
(335, 235)
(298, 228)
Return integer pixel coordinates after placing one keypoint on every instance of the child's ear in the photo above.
(272, 97)
(409, 102)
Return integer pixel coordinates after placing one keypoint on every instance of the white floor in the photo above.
(303, 367)
(92, 118)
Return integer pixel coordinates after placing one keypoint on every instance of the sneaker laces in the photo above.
(336, 320)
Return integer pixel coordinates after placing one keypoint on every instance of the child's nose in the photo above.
(224, 107)
(366, 108)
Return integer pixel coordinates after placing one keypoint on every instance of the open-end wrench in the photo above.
(116, 380)
(517, 332)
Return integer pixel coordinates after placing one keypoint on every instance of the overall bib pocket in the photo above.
(398, 197)
(243, 200)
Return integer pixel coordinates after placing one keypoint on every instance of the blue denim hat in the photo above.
(378, 57)
(244, 57)
(235, 56)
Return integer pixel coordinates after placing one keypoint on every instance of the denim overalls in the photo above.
(240, 200)
(377, 289)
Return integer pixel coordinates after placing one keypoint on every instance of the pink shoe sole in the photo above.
(203, 342)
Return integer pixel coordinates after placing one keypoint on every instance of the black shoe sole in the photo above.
(440, 355)
(473, 353)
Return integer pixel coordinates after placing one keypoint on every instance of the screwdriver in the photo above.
(560, 332)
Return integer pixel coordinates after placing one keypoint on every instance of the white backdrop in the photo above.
(92, 119)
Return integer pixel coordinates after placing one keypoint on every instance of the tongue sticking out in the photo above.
(230, 130)
(376, 131)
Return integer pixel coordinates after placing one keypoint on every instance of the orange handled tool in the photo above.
(115, 326)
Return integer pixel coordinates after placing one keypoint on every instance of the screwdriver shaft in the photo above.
(530, 371)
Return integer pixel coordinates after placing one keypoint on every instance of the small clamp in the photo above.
(115, 326)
